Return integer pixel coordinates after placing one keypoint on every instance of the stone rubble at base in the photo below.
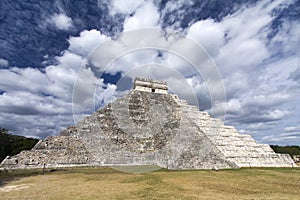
(148, 126)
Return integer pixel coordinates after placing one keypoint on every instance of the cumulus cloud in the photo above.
(3, 63)
(107, 95)
(61, 21)
(26, 79)
(209, 34)
(245, 40)
(86, 41)
(50, 92)
(125, 7)
(145, 16)
(19, 103)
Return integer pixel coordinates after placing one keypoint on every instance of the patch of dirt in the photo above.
(10, 188)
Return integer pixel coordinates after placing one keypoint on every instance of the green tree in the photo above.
(292, 150)
(13, 144)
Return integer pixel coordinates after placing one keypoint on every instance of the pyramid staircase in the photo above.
(237, 148)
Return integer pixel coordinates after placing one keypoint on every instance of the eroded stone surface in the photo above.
(148, 126)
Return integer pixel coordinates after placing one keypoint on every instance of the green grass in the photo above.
(108, 183)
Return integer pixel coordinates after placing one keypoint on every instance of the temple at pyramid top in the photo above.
(148, 85)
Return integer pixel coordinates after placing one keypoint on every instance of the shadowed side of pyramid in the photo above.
(148, 126)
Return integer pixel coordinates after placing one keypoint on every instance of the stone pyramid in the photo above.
(148, 126)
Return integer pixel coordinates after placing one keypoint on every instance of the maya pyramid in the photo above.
(148, 126)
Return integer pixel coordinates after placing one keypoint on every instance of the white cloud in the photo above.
(241, 55)
(3, 63)
(26, 79)
(295, 75)
(70, 60)
(125, 7)
(275, 115)
(38, 126)
(174, 5)
(287, 39)
(83, 90)
(50, 92)
(27, 103)
(63, 75)
(266, 100)
(176, 11)
(86, 41)
(145, 16)
(209, 34)
(105, 96)
(239, 41)
(246, 36)
(61, 21)
(260, 126)
(282, 138)
(292, 129)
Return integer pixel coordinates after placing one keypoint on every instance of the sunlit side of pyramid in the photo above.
(148, 126)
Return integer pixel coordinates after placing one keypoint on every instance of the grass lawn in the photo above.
(107, 183)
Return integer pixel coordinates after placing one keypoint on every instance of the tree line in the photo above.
(13, 144)
(291, 150)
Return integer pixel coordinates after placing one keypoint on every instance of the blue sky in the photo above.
(61, 60)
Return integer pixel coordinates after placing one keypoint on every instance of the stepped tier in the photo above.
(148, 126)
